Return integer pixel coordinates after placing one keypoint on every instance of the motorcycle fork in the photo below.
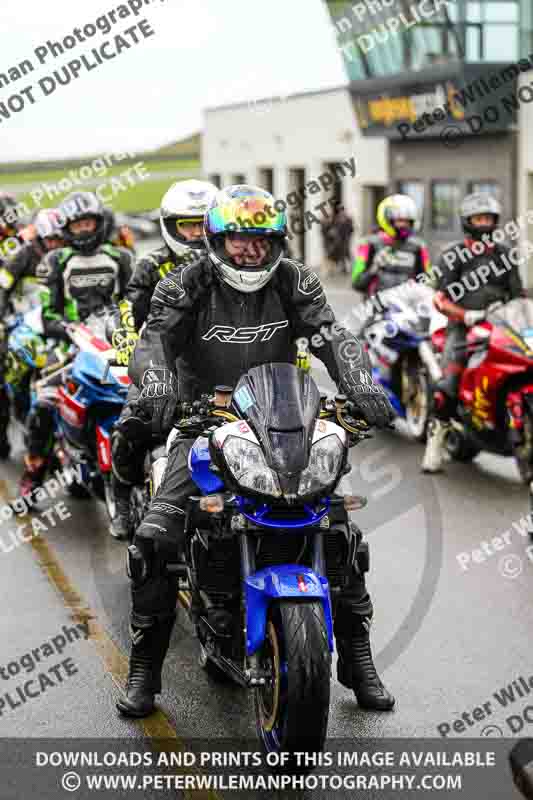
(247, 548)
(319, 562)
(405, 382)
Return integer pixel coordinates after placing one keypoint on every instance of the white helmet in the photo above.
(185, 200)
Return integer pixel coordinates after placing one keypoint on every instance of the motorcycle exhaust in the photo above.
(429, 359)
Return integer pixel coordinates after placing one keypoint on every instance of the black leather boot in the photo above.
(358, 668)
(120, 526)
(148, 650)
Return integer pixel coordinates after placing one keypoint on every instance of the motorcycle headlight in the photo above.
(324, 464)
(249, 468)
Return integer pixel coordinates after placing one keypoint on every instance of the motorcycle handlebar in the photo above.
(342, 410)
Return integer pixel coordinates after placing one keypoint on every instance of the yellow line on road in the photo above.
(156, 727)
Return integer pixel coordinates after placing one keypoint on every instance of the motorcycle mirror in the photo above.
(223, 395)
(354, 502)
(521, 761)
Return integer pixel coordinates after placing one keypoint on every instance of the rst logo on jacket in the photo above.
(308, 282)
(225, 333)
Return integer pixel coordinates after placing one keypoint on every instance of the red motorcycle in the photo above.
(495, 402)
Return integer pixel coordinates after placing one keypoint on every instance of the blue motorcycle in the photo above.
(267, 543)
(398, 342)
(89, 394)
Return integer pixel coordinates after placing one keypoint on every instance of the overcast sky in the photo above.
(203, 53)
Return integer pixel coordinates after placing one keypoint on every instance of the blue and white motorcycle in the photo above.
(88, 391)
(397, 334)
(267, 543)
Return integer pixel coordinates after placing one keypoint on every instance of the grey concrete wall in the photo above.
(478, 158)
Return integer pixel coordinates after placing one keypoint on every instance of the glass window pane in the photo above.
(396, 46)
(444, 205)
(473, 43)
(416, 191)
(473, 12)
(500, 43)
(500, 12)
(490, 187)
(452, 12)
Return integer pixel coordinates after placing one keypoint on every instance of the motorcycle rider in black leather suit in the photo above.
(19, 280)
(242, 305)
(88, 274)
(181, 219)
(394, 254)
(464, 297)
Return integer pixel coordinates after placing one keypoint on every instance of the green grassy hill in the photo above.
(162, 167)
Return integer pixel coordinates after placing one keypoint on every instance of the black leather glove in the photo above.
(158, 398)
(369, 399)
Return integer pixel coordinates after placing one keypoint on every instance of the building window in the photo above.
(478, 30)
(266, 179)
(416, 191)
(489, 187)
(500, 43)
(445, 198)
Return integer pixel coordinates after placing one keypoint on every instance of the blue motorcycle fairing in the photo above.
(406, 341)
(402, 340)
(394, 401)
(22, 341)
(259, 515)
(88, 369)
(107, 423)
(199, 462)
(286, 581)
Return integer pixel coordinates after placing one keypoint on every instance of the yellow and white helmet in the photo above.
(393, 208)
(185, 201)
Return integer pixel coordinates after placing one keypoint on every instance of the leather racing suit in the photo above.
(127, 452)
(470, 283)
(19, 286)
(75, 285)
(382, 262)
(213, 334)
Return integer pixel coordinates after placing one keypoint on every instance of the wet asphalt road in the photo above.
(451, 627)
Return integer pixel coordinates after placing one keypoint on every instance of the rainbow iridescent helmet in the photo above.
(395, 207)
(244, 210)
(185, 201)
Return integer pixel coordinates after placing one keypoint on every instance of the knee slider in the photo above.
(363, 557)
(126, 460)
(139, 563)
(359, 553)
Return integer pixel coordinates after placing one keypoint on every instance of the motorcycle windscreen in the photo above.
(281, 403)
(517, 315)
